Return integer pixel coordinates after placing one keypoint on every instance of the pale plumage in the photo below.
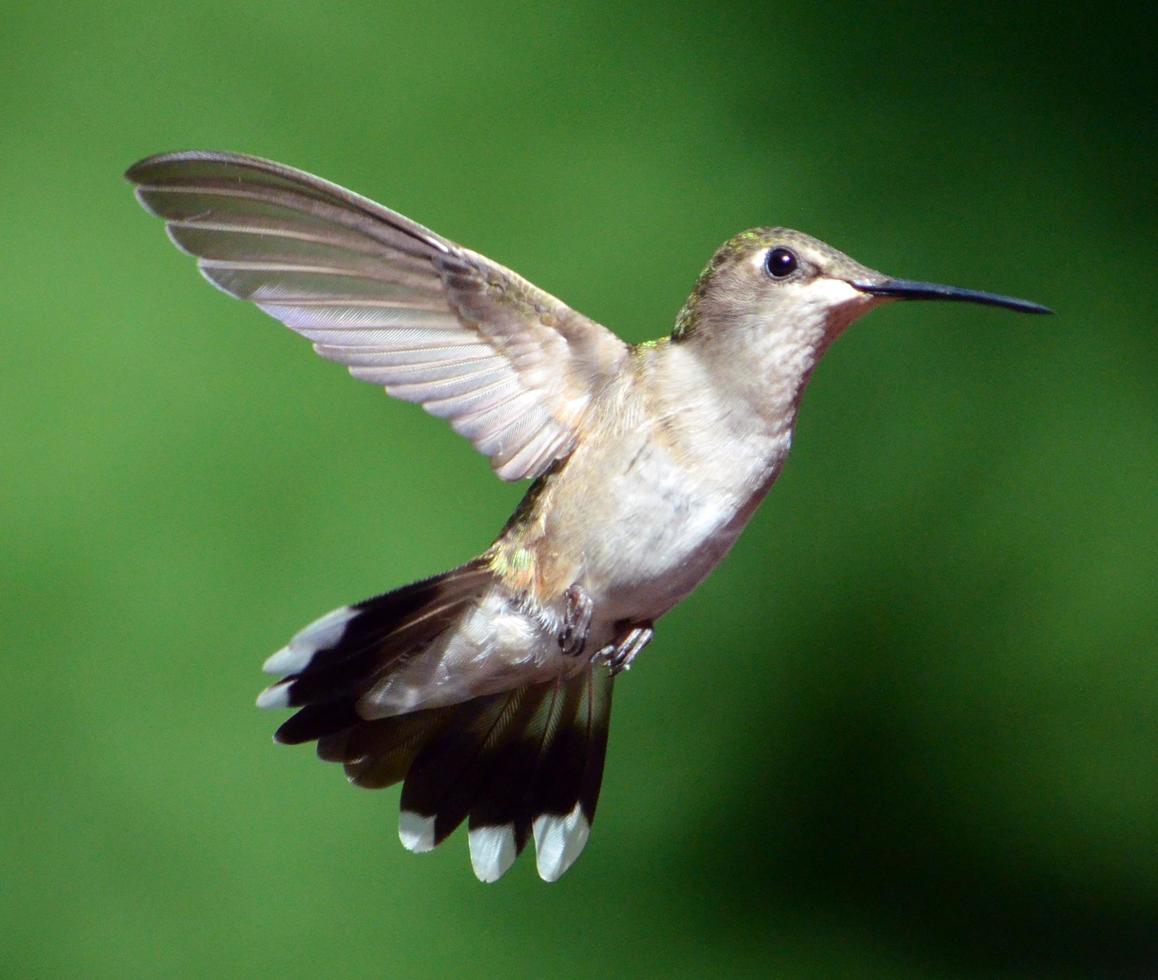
(512, 368)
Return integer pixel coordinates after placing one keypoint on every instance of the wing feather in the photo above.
(510, 367)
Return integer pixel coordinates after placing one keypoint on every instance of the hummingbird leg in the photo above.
(621, 655)
(576, 621)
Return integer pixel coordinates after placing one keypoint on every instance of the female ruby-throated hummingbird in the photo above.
(487, 690)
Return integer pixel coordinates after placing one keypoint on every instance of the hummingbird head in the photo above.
(774, 299)
(790, 281)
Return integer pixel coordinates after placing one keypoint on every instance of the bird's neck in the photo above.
(755, 371)
(728, 410)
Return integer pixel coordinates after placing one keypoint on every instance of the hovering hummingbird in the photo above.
(486, 690)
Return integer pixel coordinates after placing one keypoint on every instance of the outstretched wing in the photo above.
(512, 368)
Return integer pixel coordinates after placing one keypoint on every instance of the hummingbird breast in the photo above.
(654, 495)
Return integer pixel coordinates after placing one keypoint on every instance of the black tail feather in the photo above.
(528, 761)
(317, 721)
(372, 634)
(448, 773)
(380, 753)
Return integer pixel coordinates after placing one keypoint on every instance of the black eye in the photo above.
(780, 262)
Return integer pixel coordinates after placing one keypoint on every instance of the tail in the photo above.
(522, 762)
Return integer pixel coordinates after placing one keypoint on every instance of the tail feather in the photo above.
(519, 764)
(571, 775)
(452, 769)
(546, 780)
(502, 813)
(317, 721)
(386, 625)
(379, 753)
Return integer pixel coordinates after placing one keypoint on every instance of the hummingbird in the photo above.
(486, 690)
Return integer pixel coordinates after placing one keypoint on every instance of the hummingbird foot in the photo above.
(576, 621)
(620, 656)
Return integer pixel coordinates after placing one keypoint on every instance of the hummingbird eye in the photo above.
(780, 262)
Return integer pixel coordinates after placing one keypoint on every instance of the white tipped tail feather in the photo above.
(416, 833)
(518, 753)
(492, 850)
(559, 841)
(275, 696)
(319, 635)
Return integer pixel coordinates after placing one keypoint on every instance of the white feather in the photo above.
(492, 851)
(319, 635)
(275, 696)
(559, 841)
(416, 832)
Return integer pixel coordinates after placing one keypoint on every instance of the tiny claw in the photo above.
(620, 656)
(576, 621)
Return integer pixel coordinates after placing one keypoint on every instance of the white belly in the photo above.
(664, 527)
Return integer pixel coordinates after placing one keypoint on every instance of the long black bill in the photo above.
(911, 289)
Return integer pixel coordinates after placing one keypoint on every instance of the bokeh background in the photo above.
(908, 729)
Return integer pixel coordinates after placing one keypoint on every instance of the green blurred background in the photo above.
(909, 727)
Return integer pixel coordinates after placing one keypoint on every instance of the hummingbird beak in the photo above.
(911, 289)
